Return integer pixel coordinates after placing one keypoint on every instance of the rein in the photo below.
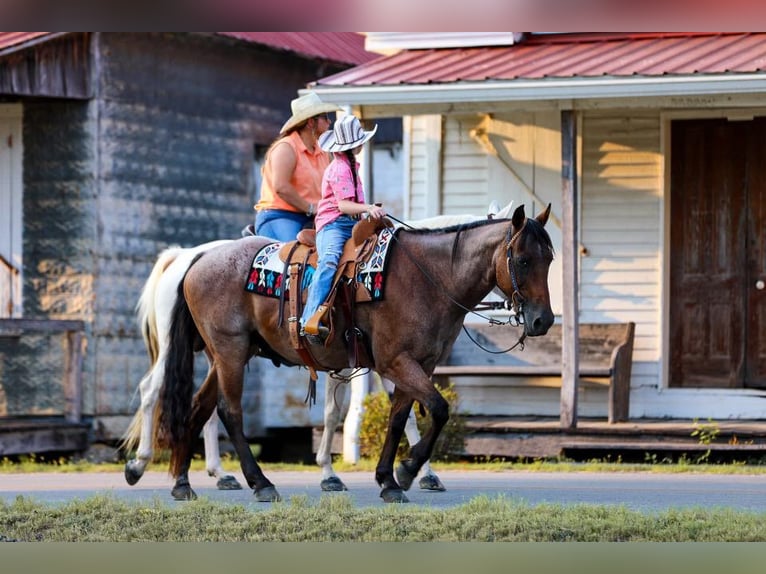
(516, 302)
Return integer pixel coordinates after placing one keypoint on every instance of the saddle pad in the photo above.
(371, 273)
(267, 273)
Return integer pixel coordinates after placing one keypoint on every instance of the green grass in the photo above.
(335, 519)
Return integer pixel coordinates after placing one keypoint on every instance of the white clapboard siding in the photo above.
(11, 189)
(464, 169)
(621, 228)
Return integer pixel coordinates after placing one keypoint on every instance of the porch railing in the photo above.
(9, 287)
(73, 332)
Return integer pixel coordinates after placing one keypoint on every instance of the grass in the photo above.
(335, 519)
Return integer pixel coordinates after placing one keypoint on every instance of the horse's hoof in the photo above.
(404, 477)
(132, 475)
(183, 492)
(228, 482)
(395, 495)
(431, 482)
(267, 494)
(332, 484)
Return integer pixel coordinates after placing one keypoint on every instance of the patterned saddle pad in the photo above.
(268, 276)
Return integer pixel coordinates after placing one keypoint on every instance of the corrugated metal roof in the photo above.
(10, 39)
(344, 47)
(566, 56)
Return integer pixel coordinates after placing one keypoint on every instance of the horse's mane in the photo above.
(459, 228)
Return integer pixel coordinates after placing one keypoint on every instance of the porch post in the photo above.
(570, 367)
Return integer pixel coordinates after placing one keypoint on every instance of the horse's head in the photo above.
(522, 270)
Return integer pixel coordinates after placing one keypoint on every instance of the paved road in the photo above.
(638, 491)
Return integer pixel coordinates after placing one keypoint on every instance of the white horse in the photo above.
(154, 314)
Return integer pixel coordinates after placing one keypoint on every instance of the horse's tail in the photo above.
(146, 316)
(146, 312)
(178, 382)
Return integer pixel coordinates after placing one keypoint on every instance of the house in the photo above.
(662, 222)
(114, 146)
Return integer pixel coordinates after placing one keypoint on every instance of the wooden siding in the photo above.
(622, 229)
(57, 68)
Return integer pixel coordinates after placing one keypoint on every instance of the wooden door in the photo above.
(717, 234)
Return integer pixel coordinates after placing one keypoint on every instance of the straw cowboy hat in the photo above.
(346, 134)
(305, 107)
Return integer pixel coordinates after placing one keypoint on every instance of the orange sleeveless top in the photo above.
(306, 178)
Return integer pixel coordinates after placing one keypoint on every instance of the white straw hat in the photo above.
(305, 107)
(346, 134)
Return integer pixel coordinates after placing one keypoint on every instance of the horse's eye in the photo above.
(523, 262)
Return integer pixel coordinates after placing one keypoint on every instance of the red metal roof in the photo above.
(344, 47)
(8, 39)
(566, 56)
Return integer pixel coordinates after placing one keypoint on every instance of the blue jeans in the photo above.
(330, 241)
(280, 224)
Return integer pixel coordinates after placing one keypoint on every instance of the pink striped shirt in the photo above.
(337, 184)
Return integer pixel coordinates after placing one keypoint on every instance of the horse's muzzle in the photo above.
(537, 323)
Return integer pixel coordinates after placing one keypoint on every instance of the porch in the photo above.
(637, 440)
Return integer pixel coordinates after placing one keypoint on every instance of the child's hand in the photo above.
(375, 212)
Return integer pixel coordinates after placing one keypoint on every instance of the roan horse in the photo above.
(435, 277)
(153, 312)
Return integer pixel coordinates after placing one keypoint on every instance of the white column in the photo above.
(353, 422)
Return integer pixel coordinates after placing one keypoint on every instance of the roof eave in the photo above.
(547, 89)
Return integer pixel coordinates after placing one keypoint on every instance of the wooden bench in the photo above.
(605, 358)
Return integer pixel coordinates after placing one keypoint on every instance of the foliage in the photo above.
(706, 435)
(374, 426)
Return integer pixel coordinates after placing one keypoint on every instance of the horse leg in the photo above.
(429, 481)
(149, 388)
(203, 406)
(333, 402)
(384, 476)
(420, 453)
(213, 456)
(230, 411)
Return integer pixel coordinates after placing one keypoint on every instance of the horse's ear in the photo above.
(505, 212)
(519, 217)
(542, 217)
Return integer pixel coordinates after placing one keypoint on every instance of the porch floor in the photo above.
(40, 435)
(543, 437)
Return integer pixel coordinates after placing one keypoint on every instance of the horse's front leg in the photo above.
(335, 395)
(429, 480)
(213, 466)
(391, 491)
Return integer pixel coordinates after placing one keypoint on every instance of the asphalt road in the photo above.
(637, 491)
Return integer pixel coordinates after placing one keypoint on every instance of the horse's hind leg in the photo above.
(335, 394)
(203, 405)
(149, 389)
(230, 411)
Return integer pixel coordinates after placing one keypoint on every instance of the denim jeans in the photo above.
(280, 224)
(330, 241)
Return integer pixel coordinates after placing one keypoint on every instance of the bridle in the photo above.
(517, 300)
(515, 304)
